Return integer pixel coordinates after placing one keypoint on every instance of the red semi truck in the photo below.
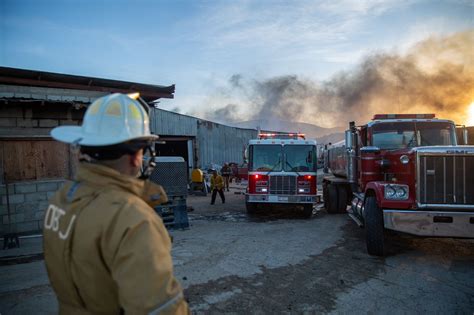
(282, 171)
(403, 172)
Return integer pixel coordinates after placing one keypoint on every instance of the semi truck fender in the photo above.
(378, 189)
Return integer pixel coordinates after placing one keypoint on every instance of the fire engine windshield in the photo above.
(299, 158)
(400, 135)
(290, 158)
(265, 158)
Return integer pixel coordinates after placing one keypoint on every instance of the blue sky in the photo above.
(199, 45)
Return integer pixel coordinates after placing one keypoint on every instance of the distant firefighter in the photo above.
(217, 186)
(226, 171)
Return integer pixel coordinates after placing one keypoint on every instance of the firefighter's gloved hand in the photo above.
(154, 194)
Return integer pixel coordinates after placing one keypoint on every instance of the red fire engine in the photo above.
(282, 170)
(405, 173)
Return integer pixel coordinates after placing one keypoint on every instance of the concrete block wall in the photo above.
(20, 115)
(28, 203)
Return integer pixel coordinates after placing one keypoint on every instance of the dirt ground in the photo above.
(418, 274)
(279, 262)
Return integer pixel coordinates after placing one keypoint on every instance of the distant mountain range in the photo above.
(321, 134)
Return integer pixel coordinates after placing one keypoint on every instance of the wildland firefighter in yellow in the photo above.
(105, 249)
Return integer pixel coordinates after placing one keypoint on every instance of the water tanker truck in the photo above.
(403, 172)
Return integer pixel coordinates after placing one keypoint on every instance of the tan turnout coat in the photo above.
(106, 250)
(217, 182)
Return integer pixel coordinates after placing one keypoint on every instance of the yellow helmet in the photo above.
(109, 120)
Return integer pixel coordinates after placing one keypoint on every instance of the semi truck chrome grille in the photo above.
(282, 185)
(445, 180)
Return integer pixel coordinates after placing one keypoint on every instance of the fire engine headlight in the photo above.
(396, 192)
(404, 159)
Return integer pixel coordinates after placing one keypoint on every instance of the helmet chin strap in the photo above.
(148, 167)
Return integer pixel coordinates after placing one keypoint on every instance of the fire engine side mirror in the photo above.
(465, 136)
(246, 155)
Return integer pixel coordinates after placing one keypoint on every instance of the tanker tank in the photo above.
(337, 159)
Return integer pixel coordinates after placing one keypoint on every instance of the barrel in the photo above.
(197, 176)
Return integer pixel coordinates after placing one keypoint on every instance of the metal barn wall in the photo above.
(219, 143)
(172, 124)
(213, 142)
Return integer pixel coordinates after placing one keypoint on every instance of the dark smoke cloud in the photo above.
(437, 75)
(228, 113)
(176, 110)
(236, 81)
(283, 97)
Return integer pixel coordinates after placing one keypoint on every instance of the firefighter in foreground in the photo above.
(217, 186)
(106, 250)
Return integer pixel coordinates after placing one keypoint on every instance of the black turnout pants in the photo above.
(214, 192)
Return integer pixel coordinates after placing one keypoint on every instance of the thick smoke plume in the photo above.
(436, 75)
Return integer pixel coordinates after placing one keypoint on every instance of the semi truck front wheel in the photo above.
(251, 208)
(374, 230)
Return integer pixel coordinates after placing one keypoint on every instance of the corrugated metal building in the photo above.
(34, 165)
(199, 141)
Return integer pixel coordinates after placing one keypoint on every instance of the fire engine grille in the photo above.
(446, 180)
(282, 185)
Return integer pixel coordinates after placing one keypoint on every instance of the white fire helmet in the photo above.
(109, 120)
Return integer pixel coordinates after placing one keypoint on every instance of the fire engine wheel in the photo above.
(251, 208)
(374, 230)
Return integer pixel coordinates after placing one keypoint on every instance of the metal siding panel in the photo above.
(216, 143)
(163, 123)
(156, 126)
(169, 124)
(222, 143)
(174, 124)
(177, 126)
